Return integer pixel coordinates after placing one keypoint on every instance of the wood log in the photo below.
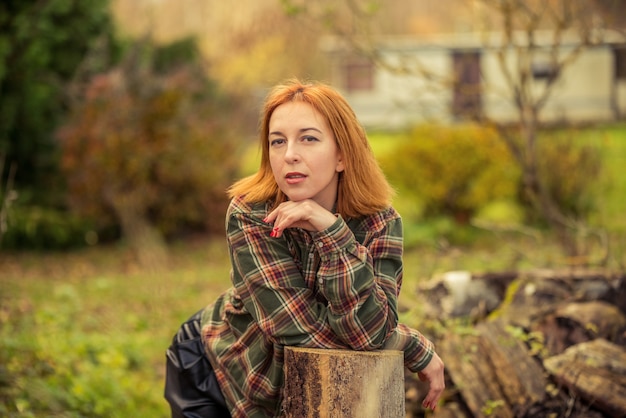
(343, 383)
(501, 366)
(537, 293)
(461, 293)
(595, 371)
(493, 370)
(574, 323)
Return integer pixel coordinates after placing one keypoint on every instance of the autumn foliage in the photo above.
(453, 170)
(147, 148)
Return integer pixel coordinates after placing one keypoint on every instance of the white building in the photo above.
(451, 77)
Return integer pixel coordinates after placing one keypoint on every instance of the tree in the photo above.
(251, 44)
(521, 24)
(147, 146)
(41, 44)
(7, 195)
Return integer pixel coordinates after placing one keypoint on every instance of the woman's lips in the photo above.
(294, 178)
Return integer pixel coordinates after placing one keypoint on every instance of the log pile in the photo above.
(537, 344)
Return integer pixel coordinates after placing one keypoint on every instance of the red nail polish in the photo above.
(273, 234)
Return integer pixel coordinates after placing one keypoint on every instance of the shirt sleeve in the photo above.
(360, 281)
(272, 289)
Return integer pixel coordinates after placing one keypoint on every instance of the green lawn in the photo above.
(84, 334)
(612, 140)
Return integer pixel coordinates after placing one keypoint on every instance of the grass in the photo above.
(83, 333)
(612, 139)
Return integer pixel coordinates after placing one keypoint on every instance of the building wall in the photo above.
(582, 93)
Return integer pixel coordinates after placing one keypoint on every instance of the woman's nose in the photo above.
(292, 153)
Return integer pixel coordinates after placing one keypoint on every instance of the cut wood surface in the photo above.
(343, 383)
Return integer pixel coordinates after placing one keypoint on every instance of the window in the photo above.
(543, 67)
(620, 62)
(467, 97)
(359, 74)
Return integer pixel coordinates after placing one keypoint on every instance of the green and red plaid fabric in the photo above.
(337, 288)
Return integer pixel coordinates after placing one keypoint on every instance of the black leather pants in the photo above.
(191, 387)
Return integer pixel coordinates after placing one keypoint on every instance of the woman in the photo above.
(316, 255)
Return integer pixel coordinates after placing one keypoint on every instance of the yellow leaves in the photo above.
(258, 64)
(453, 170)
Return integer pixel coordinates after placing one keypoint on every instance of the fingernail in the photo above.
(265, 219)
(273, 234)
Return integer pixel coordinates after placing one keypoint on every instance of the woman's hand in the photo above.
(433, 374)
(305, 214)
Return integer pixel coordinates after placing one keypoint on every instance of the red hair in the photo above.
(363, 188)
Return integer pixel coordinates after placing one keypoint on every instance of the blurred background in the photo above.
(501, 124)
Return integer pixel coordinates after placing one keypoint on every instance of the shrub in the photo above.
(569, 170)
(150, 142)
(452, 171)
(39, 228)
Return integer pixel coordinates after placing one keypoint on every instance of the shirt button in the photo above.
(320, 244)
(320, 281)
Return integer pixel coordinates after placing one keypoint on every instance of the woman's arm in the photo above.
(360, 281)
(361, 289)
(271, 286)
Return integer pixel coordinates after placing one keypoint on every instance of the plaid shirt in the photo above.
(335, 288)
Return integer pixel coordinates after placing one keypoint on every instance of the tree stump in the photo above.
(343, 383)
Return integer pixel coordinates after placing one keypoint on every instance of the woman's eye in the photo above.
(276, 141)
(309, 138)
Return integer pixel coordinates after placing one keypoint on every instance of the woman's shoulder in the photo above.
(375, 221)
(239, 205)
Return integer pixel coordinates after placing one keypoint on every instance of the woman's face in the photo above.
(304, 156)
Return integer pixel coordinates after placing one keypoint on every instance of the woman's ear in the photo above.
(340, 166)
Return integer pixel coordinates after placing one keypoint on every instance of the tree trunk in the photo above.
(343, 383)
(144, 239)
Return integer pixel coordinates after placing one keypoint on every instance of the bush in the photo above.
(151, 143)
(452, 171)
(39, 228)
(570, 170)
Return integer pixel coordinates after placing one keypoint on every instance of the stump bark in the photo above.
(343, 383)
